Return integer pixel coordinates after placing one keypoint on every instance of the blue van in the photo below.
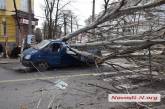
(50, 53)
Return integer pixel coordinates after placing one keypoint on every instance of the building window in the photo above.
(24, 5)
(3, 31)
(2, 4)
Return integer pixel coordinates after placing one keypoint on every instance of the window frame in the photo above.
(2, 4)
(24, 5)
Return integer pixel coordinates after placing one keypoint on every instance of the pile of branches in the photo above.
(130, 29)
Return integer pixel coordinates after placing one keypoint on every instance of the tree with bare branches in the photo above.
(125, 28)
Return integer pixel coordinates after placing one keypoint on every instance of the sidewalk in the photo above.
(9, 60)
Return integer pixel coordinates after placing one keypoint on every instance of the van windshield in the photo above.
(42, 44)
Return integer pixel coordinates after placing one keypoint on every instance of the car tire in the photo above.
(42, 66)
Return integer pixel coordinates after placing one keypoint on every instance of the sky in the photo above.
(81, 8)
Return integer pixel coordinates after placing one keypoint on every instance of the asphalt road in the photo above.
(20, 87)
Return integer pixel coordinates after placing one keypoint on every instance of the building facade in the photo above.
(14, 27)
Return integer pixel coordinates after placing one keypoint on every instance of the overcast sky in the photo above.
(81, 8)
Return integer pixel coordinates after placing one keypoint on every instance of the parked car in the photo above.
(50, 53)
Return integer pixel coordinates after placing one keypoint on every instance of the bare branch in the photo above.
(118, 12)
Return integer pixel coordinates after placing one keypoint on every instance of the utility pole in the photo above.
(93, 11)
(28, 39)
(30, 17)
(65, 24)
(93, 17)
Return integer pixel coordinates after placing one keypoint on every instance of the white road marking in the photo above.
(48, 77)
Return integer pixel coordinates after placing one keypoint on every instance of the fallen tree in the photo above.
(119, 42)
(124, 28)
(116, 13)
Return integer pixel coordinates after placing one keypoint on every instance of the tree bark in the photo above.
(120, 42)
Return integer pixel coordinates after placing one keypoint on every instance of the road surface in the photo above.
(21, 87)
(67, 88)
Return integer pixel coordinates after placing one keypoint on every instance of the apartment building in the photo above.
(14, 27)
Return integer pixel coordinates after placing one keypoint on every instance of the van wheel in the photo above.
(42, 66)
